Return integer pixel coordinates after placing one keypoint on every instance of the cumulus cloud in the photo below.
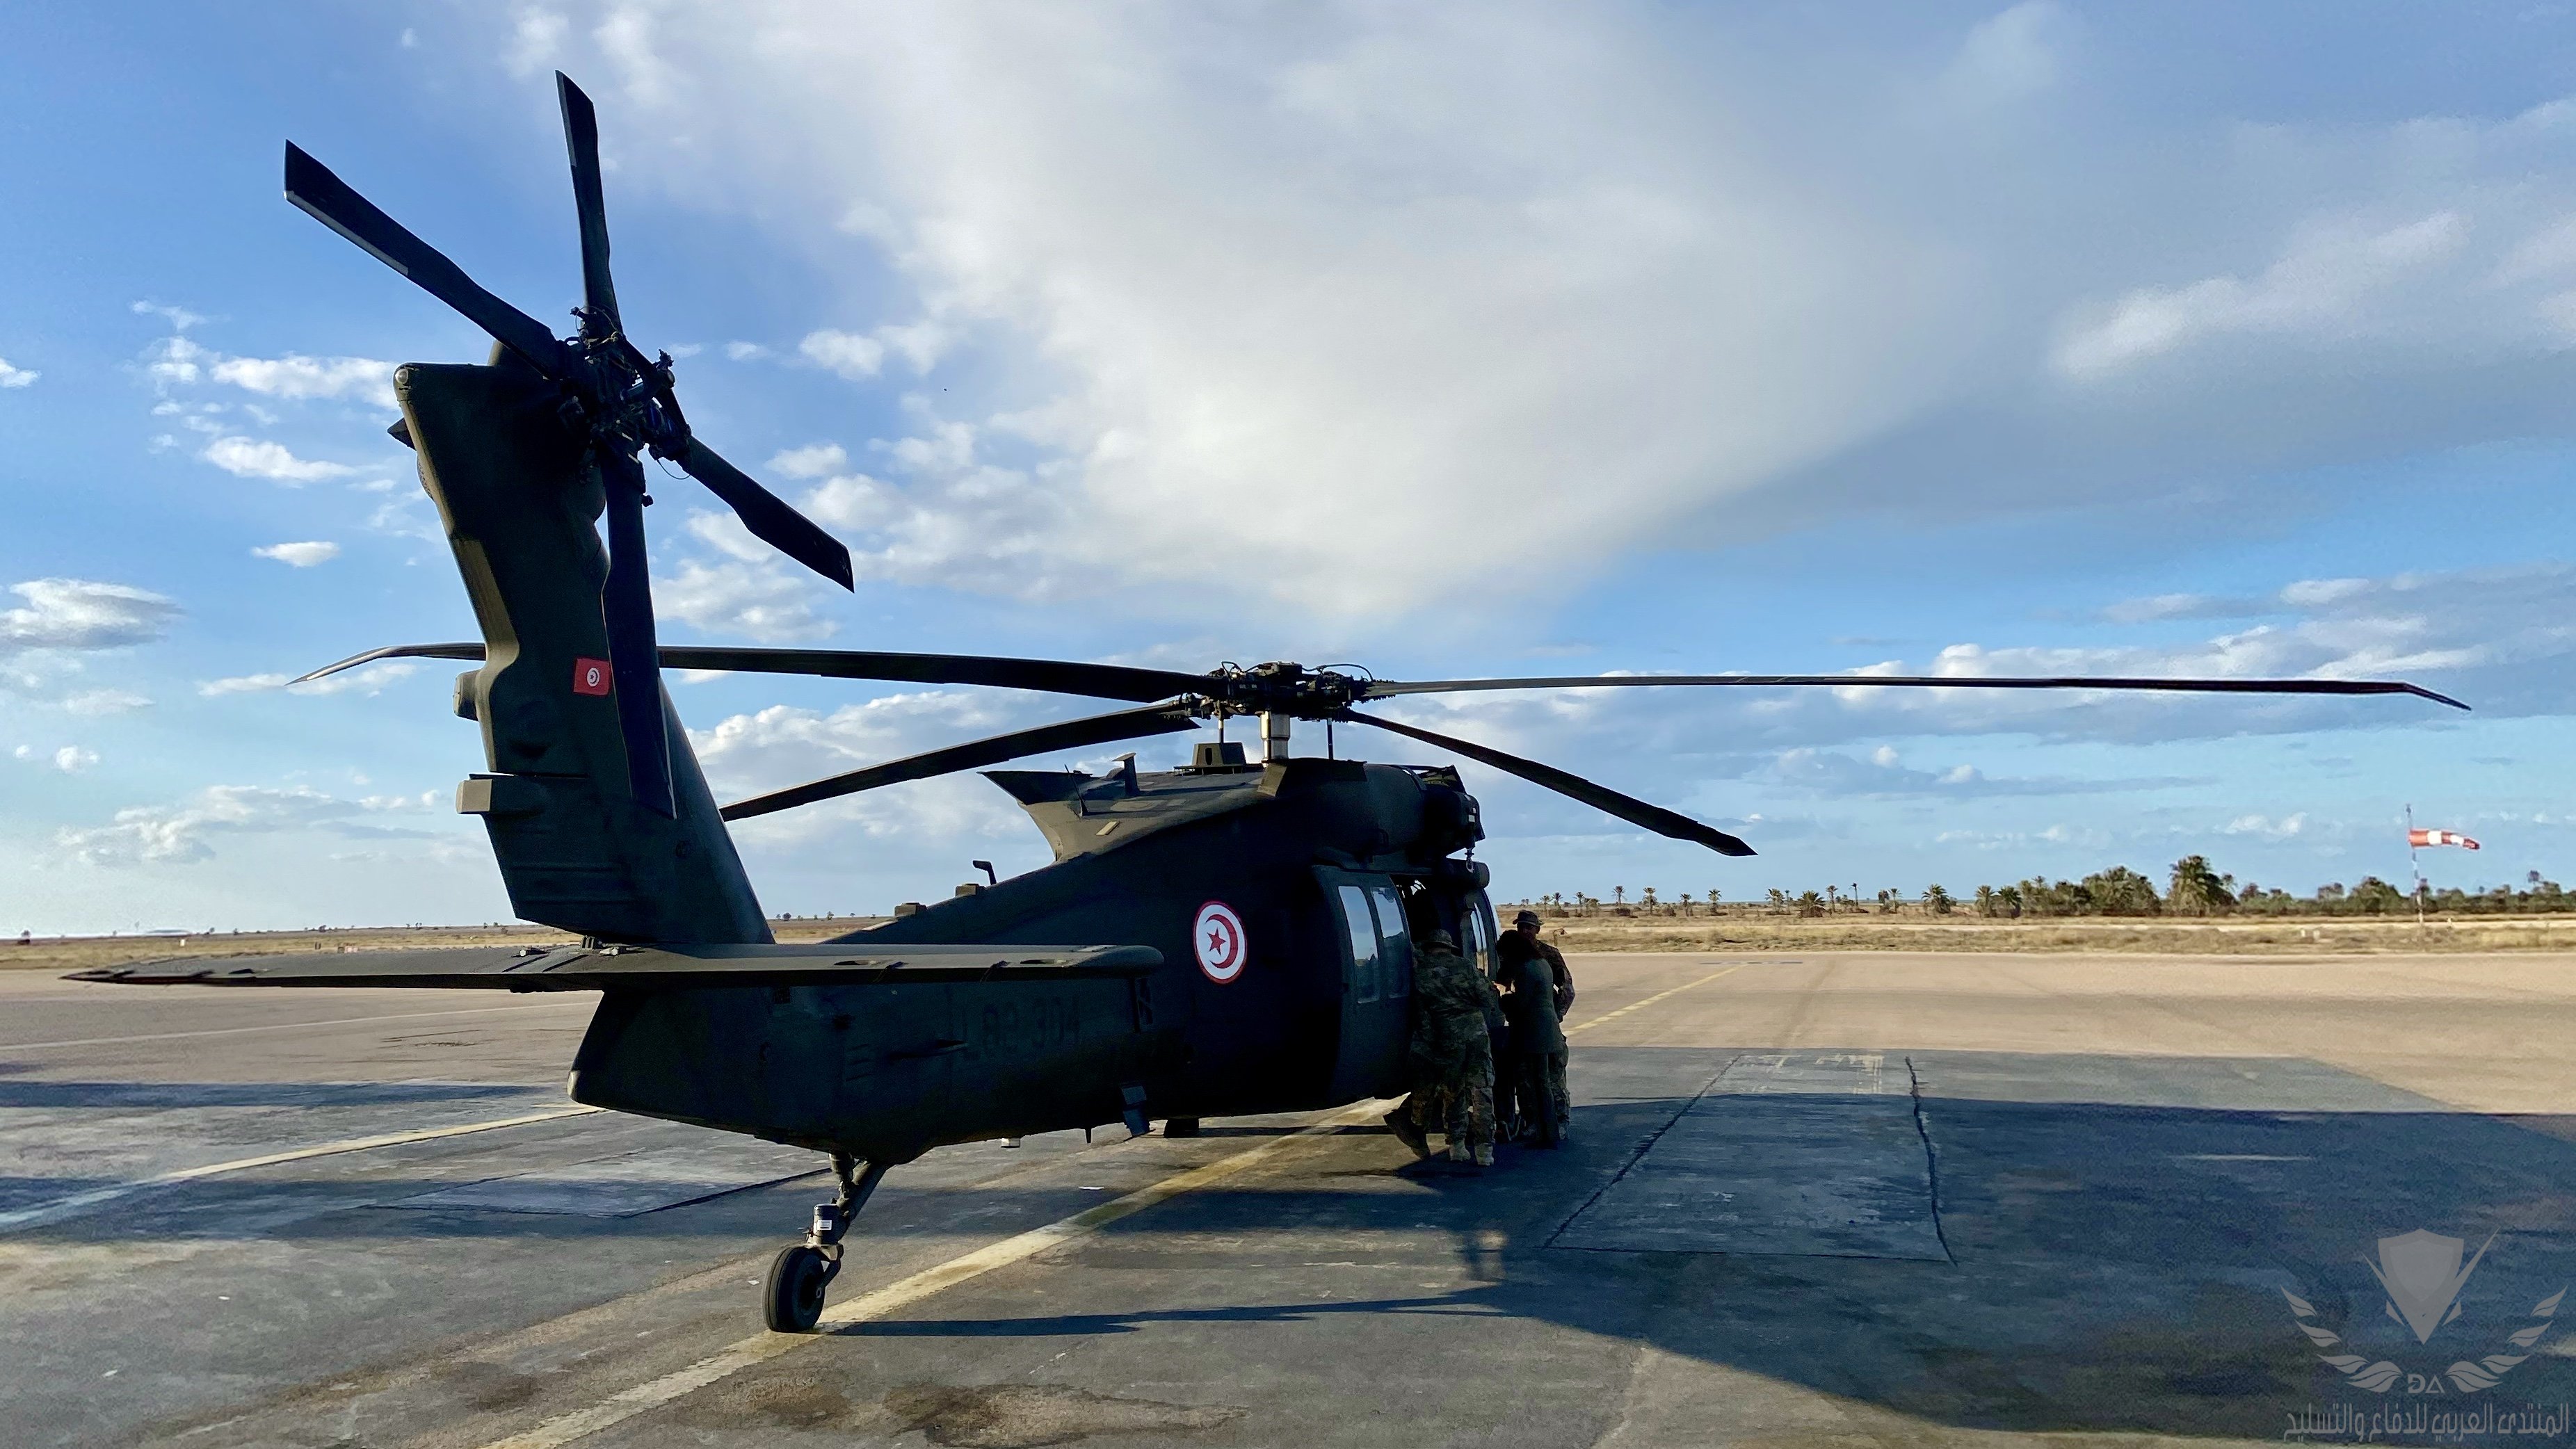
(17, 376)
(262, 458)
(2324, 287)
(104, 701)
(746, 754)
(815, 460)
(72, 759)
(80, 614)
(848, 353)
(756, 600)
(298, 377)
(179, 318)
(183, 833)
(299, 555)
(369, 680)
(2496, 638)
(1626, 274)
(1881, 776)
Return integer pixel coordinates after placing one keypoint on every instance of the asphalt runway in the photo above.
(1810, 1200)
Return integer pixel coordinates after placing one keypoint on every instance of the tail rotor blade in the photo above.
(1129, 724)
(331, 201)
(581, 139)
(1600, 797)
(766, 515)
(626, 603)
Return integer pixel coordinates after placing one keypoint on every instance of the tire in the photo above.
(793, 1301)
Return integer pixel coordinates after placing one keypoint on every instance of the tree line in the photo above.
(2192, 888)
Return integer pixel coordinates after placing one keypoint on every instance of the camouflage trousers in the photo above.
(1457, 1098)
(1464, 1110)
(1540, 1102)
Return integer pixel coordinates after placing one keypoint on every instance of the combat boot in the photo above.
(1400, 1122)
(1484, 1154)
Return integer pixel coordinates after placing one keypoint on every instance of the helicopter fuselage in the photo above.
(1284, 900)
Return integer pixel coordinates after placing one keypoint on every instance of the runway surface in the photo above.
(1809, 1200)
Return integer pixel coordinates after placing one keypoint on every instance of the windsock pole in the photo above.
(2415, 864)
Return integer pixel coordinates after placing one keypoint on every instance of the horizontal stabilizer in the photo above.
(587, 968)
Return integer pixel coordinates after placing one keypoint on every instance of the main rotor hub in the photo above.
(1281, 688)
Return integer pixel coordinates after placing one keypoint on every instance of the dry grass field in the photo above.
(1732, 931)
(2226, 936)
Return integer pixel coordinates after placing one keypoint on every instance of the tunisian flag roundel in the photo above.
(2440, 837)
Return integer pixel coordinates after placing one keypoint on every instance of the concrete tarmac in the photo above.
(1809, 1200)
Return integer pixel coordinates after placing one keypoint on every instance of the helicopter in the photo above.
(1234, 936)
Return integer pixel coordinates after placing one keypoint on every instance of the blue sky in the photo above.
(1450, 339)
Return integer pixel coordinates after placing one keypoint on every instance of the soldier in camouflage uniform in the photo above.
(1537, 1084)
(1452, 1057)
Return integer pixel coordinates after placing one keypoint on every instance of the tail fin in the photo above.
(575, 849)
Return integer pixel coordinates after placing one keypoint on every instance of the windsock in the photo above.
(2440, 837)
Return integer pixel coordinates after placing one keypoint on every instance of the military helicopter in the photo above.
(1231, 937)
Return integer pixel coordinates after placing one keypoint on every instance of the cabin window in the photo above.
(1479, 950)
(1395, 942)
(1364, 949)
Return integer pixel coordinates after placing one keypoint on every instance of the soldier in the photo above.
(1523, 940)
(1452, 1057)
(1540, 989)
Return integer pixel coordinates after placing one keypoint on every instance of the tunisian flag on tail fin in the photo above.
(2440, 837)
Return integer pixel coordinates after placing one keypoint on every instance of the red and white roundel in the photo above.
(1217, 936)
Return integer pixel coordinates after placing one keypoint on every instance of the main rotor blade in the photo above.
(1386, 688)
(331, 201)
(581, 138)
(626, 604)
(1050, 676)
(1600, 797)
(1129, 724)
(769, 519)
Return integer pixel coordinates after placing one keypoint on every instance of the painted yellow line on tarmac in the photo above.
(1611, 1016)
(30, 1046)
(653, 1393)
(44, 1210)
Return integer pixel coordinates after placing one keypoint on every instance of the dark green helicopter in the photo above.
(1228, 938)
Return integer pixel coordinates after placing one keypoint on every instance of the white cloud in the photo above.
(2010, 56)
(744, 351)
(179, 318)
(369, 680)
(848, 353)
(535, 41)
(2285, 828)
(815, 460)
(242, 684)
(300, 555)
(104, 701)
(1623, 274)
(72, 759)
(17, 376)
(79, 614)
(296, 376)
(2323, 286)
(261, 458)
(759, 601)
(179, 833)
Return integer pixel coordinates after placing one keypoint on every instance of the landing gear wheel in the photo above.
(793, 1302)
